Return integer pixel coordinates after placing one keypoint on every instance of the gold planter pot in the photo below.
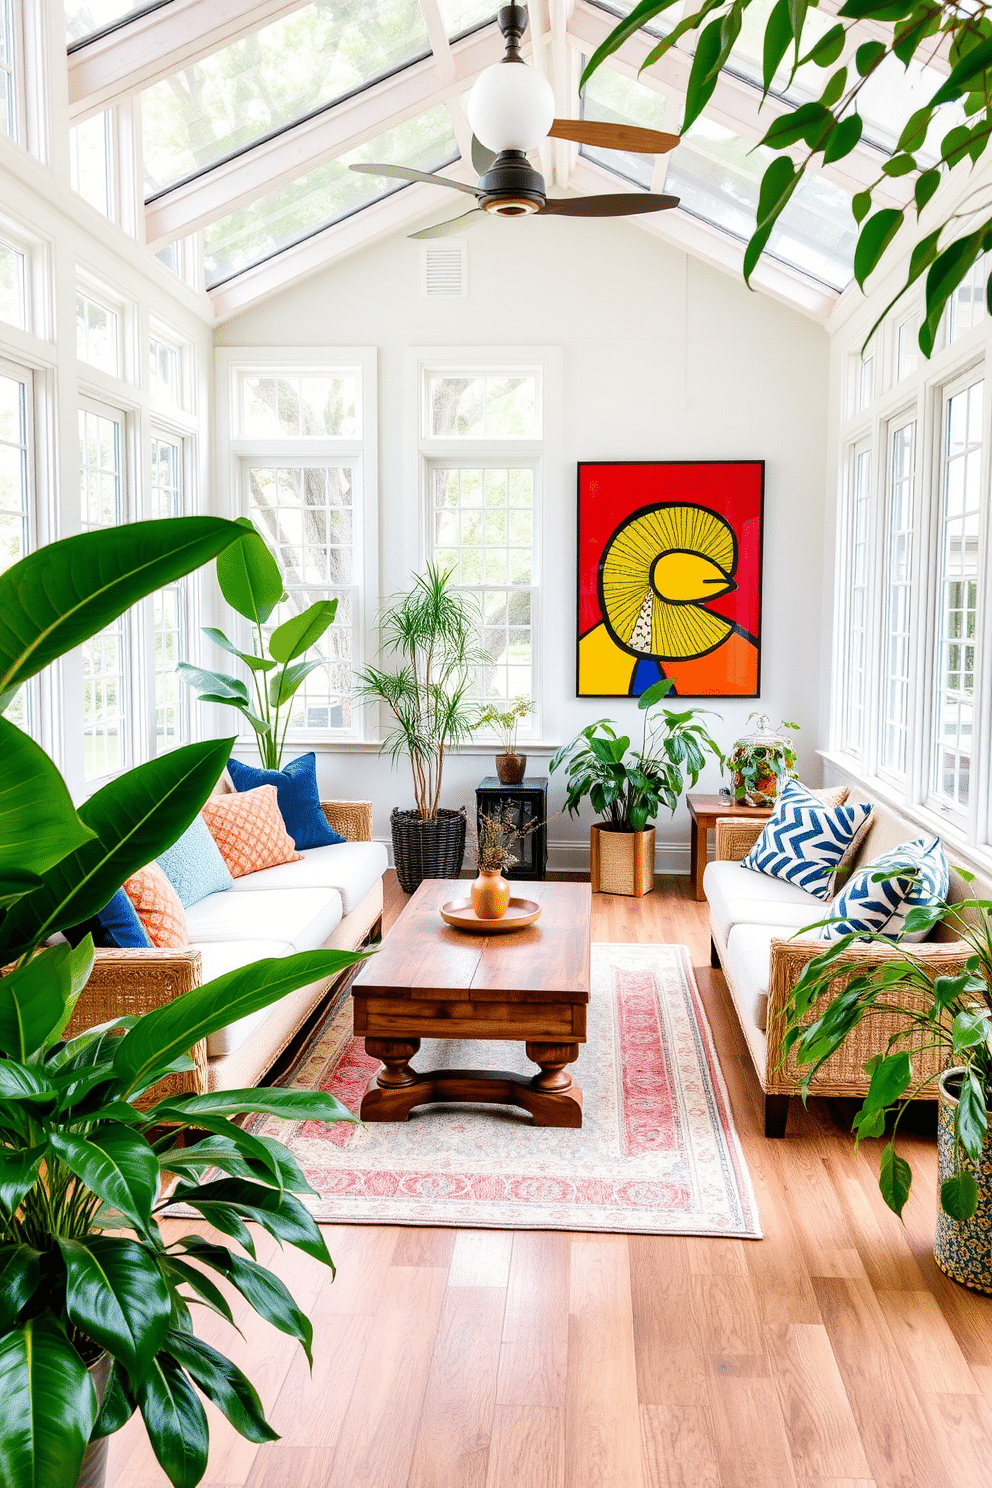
(621, 862)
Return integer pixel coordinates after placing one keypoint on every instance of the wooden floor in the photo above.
(831, 1354)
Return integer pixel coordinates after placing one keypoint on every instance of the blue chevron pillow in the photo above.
(863, 905)
(805, 841)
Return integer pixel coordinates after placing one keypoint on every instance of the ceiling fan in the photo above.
(511, 110)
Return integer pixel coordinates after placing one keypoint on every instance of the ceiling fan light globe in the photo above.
(511, 107)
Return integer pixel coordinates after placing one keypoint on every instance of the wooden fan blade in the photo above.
(482, 158)
(625, 204)
(613, 136)
(404, 173)
(453, 225)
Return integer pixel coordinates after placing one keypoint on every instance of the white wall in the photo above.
(662, 359)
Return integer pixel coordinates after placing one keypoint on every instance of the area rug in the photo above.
(657, 1153)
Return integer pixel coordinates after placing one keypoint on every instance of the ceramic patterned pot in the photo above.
(963, 1248)
(93, 1473)
(511, 768)
(490, 895)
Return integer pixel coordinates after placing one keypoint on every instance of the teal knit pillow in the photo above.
(194, 866)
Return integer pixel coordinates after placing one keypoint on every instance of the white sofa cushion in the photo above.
(748, 958)
(220, 956)
(738, 896)
(304, 919)
(350, 867)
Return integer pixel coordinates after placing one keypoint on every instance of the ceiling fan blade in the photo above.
(453, 225)
(613, 136)
(623, 204)
(404, 173)
(482, 159)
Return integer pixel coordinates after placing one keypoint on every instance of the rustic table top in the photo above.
(422, 957)
(702, 805)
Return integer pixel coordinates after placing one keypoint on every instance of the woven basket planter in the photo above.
(963, 1248)
(621, 862)
(427, 849)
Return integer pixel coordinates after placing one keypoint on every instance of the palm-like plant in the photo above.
(431, 633)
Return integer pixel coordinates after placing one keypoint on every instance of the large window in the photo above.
(855, 682)
(13, 285)
(16, 499)
(98, 334)
(170, 606)
(8, 70)
(101, 458)
(897, 652)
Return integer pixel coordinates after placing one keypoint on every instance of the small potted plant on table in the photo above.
(760, 763)
(629, 787)
(511, 766)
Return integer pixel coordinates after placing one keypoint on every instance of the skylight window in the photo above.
(85, 19)
(617, 99)
(276, 76)
(323, 196)
(460, 16)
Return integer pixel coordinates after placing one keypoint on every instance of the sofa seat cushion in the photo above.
(350, 867)
(303, 919)
(747, 965)
(220, 956)
(738, 896)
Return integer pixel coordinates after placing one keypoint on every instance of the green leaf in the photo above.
(256, 663)
(970, 1117)
(281, 1214)
(959, 1195)
(915, 132)
(49, 1406)
(230, 1390)
(63, 593)
(291, 1105)
(894, 1179)
(639, 16)
(835, 88)
(926, 185)
(116, 1407)
(20, 1272)
(40, 824)
(861, 205)
(868, 56)
(777, 185)
(842, 140)
(115, 1164)
(37, 998)
(19, 1082)
(968, 1030)
(899, 165)
(808, 122)
(249, 577)
(778, 35)
(175, 1422)
(977, 61)
(176, 1026)
(891, 1076)
(826, 51)
(134, 817)
(19, 1168)
(218, 686)
(943, 277)
(875, 237)
(260, 1288)
(702, 75)
(116, 1295)
(232, 1157)
(181, 1273)
(285, 683)
(300, 632)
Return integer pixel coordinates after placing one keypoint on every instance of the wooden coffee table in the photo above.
(432, 981)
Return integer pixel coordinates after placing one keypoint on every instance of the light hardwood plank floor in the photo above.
(832, 1354)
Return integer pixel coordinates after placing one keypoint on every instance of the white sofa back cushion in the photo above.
(350, 867)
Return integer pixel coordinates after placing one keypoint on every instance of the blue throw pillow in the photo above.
(883, 906)
(804, 841)
(116, 927)
(299, 799)
(194, 866)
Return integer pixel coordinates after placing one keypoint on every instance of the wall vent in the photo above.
(443, 271)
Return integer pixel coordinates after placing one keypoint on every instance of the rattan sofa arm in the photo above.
(352, 819)
(735, 838)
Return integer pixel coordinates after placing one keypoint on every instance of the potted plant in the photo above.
(252, 584)
(629, 787)
(96, 1317)
(496, 835)
(429, 633)
(760, 763)
(939, 1012)
(510, 766)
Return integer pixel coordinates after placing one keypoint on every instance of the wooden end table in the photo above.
(705, 811)
(431, 981)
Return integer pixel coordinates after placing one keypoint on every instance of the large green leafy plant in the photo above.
(85, 1149)
(628, 787)
(949, 133)
(252, 584)
(952, 1014)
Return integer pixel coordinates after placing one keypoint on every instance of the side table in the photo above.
(528, 802)
(705, 811)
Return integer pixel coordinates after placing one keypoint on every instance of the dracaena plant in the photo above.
(949, 1014)
(86, 1150)
(947, 135)
(251, 582)
(628, 788)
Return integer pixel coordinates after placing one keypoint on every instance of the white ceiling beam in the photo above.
(542, 60)
(325, 136)
(154, 46)
(437, 34)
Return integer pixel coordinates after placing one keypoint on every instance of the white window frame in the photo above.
(361, 452)
(164, 335)
(170, 433)
(98, 293)
(28, 378)
(909, 417)
(859, 456)
(19, 136)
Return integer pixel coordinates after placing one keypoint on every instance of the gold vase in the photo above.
(490, 894)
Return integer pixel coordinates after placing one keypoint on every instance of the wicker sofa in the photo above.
(754, 921)
(331, 898)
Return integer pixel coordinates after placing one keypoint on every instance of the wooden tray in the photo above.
(520, 913)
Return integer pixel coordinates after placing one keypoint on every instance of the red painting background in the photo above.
(608, 493)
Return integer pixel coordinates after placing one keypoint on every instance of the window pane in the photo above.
(169, 605)
(325, 195)
(97, 334)
(262, 82)
(615, 99)
(957, 597)
(90, 160)
(966, 307)
(288, 405)
(500, 407)
(15, 506)
(460, 16)
(164, 372)
(104, 681)
(898, 613)
(856, 658)
(88, 17)
(8, 53)
(907, 346)
(13, 299)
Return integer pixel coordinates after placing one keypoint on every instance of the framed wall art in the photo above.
(669, 581)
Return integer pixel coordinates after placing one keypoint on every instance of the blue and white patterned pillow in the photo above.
(804, 841)
(882, 907)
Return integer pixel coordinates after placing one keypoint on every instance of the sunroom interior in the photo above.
(204, 310)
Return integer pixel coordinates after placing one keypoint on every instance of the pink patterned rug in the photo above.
(657, 1153)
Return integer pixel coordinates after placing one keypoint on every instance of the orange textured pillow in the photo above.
(158, 907)
(249, 830)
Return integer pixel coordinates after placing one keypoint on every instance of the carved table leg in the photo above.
(553, 1099)
(395, 1055)
(552, 1058)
